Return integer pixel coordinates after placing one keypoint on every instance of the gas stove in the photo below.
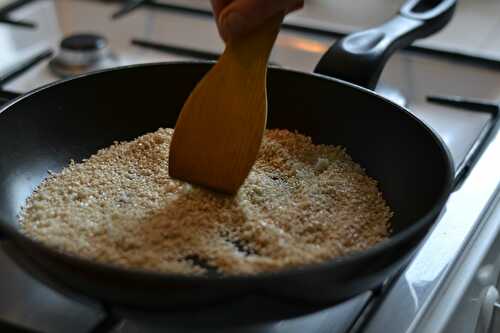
(42, 41)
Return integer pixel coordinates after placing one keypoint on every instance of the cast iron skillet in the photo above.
(72, 119)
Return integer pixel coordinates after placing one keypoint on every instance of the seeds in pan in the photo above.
(301, 204)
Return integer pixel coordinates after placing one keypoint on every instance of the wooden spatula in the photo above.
(220, 128)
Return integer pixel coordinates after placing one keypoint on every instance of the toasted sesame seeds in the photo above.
(302, 203)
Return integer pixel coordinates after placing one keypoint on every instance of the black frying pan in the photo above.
(72, 119)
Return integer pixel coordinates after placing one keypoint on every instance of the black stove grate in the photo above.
(131, 5)
(6, 10)
(173, 49)
(471, 105)
(180, 50)
(22, 66)
(483, 61)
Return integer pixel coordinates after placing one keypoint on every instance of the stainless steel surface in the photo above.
(487, 300)
(466, 300)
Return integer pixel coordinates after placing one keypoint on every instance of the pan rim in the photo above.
(376, 250)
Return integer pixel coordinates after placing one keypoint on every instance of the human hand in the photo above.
(237, 17)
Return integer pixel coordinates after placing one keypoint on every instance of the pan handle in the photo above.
(360, 57)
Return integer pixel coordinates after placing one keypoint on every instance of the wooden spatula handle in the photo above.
(259, 42)
(220, 129)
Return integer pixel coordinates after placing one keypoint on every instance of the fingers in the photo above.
(296, 6)
(218, 6)
(236, 18)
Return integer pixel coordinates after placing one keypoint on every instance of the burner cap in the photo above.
(84, 42)
(82, 53)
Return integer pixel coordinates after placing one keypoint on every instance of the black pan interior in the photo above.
(72, 120)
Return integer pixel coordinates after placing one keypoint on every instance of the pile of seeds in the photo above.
(302, 203)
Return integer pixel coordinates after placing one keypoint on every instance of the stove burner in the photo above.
(82, 53)
(84, 42)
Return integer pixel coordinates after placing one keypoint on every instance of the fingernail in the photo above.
(233, 25)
